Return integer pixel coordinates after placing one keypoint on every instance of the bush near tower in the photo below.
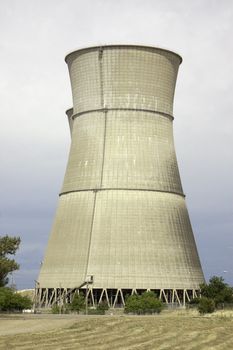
(214, 295)
(78, 303)
(13, 301)
(217, 290)
(147, 303)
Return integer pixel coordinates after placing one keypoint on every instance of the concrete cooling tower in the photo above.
(121, 225)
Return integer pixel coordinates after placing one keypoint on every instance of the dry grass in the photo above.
(174, 330)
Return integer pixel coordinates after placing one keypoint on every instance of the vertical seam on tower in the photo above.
(104, 141)
(95, 191)
(91, 230)
(105, 110)
(101, 77)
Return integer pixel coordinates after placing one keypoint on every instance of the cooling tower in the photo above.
(121, 222)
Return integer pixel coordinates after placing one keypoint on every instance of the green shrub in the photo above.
(12, 301)
(103, 306)
(55, 309)
(133, 304)
(206, 305)
(217, 290)
(147, 303)
(194, 301)
(150, 304)
(78, 303)
(63, 309)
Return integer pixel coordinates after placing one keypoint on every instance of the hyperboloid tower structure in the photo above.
(121, 224)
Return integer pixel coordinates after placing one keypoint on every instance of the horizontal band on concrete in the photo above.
(120, 46)
(105, 110)
(121, 189)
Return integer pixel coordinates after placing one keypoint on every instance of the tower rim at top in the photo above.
(123, 46)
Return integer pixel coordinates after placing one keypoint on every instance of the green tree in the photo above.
(78, 303)
(8, 246)
(217, 290)
(133, 304)
(151, 304)
(13, 301)
(206, 305)
(143, 304)
(102, 307)
(55, 309)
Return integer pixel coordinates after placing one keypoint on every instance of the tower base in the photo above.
(115, 298)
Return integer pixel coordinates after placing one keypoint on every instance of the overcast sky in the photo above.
(35, 91)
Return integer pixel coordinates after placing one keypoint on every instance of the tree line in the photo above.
(213, 295)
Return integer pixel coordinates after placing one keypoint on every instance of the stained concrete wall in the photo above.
(121, 214)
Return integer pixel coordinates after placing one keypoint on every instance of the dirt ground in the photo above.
(173, 330)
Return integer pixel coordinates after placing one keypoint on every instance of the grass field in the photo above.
(173, 330)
